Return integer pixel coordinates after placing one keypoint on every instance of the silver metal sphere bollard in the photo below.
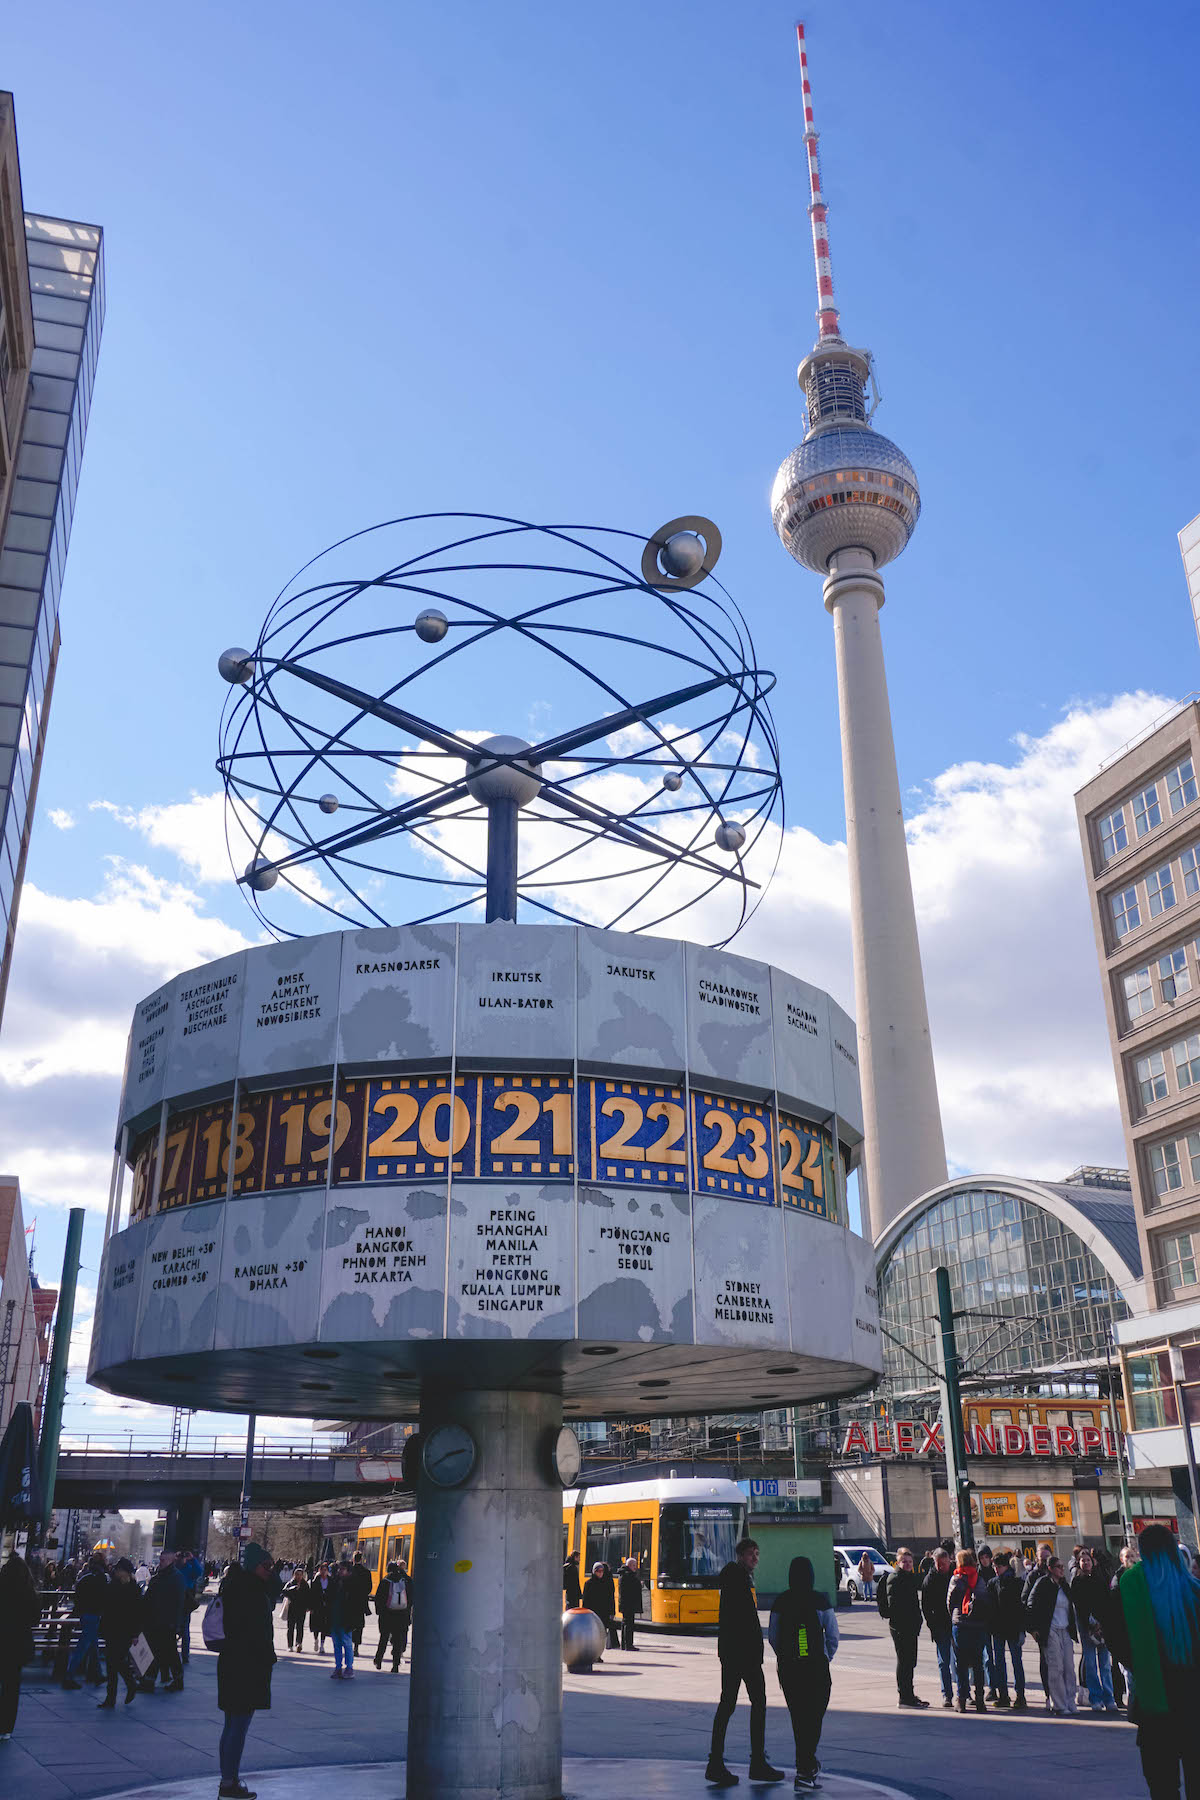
(729, 837)
(681, 555)
(431, 625)
(235, 666)
(260, 876)
(583, 1638)
(328, 803)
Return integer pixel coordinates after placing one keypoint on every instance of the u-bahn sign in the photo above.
(509, 1153)
(912, 1437)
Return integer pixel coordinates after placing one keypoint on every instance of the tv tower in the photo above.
(845, 503)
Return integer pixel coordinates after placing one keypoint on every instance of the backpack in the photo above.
(213, 1626)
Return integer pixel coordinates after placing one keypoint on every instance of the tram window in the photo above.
(1056, 1415)
(393, 1544)
(608, 1542)
(370, 1552)
(1001, 1415)
(696, 1541)
(1080, 1419)
(639, 1545)
(406, 1550)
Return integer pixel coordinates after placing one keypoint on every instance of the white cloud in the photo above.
(193, 830)
(61, 819)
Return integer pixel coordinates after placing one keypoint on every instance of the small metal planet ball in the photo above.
(431, 625)
(260, 876)
(681, 555)
(583, 1638)
(328, 803)
(729, 837)
(672, 783)
(235, 666)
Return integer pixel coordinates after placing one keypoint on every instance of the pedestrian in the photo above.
(345, 1618)
(967, 1602)
(88, 1608)
(987, 1576)
(936, 1614)
(1008, 1635)
(295, 1608)
(1052, 1621)
(1154, 1628)
(164, 1612)
(191, 1574)
(598, 1597)
(245, 1660)
(1089, 1596)
(803, 1632)
(629, 1595)
(898, 1598)
(123, 1619)
(572, 1592)
(318, 1607)
(614, 1635)
(866, 1575)
(740, 1653)
(20, 1610)
(142, 1575)
(1039, 1568)
(393, 1605)
(360, 1581)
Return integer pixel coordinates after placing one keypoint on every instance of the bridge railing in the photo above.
(268, 1449)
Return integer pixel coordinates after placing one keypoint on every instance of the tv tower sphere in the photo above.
(845, 487)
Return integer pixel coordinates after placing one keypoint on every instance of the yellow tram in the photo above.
(682, 1532)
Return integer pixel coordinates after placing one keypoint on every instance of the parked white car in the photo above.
(847, 1558)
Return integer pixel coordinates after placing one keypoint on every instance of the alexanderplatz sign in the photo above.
(913, 1437)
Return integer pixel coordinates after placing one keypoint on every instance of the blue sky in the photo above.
(554, 261)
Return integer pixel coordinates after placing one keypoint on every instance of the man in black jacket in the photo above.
(629, 1598)
(88, 1608)
(937, 1618)
(1009, 1632)
(740, 1652)
(899, 1602)
(572, 1592)
(164, 1610)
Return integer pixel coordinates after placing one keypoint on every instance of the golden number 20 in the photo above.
(406, 1110)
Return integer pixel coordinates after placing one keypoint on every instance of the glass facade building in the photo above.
(66, 280)
(1044, 1266)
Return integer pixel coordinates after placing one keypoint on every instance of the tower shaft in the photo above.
(904, 1153)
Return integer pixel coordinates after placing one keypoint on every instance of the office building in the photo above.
(1189, 549)
(51, 314)
(26, 1310)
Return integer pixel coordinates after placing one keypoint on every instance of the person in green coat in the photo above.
(1154, 1628)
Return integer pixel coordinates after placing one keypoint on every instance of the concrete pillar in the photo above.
(485, 1698)
(187, 1524)
(904, 1152)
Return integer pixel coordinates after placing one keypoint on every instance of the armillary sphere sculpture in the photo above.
(353, 788)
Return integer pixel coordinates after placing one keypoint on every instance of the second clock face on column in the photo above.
(448, 1455)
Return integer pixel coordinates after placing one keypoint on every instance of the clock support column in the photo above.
(485, 1699)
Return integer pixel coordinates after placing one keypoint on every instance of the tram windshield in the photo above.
(695, 1542)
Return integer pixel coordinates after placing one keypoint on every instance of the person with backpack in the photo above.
(122, 1620)
(1154, 1629)
(393, 1606)
(242, 1615)
(803, 1632)
(898, 1597)
(967, 1600)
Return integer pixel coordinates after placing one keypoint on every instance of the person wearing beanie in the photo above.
(123, 1619)
(246, 1658)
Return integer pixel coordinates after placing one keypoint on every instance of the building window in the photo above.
(1181, 785)
(1152, 1077)
(1139, 992)
(1191, 871)
(1193, 1145)
(1164, 1167)
(1187, 1060)
(1177, 1260)
(1174, 974)
(1146, 811)
(1113, 836)
(1126, 914)
(1160, 890)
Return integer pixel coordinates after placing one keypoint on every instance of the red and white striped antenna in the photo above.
(827, 312)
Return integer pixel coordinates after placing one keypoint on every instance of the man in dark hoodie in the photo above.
(246, 1658)
(803, 1632)
(936, 1614)
(899, 1602)
(740, 1653)
(88, 1608)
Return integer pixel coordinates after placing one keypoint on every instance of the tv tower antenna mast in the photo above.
(844, 504)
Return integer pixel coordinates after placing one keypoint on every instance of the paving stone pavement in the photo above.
(655, 1706)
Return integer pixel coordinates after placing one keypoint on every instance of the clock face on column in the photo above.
(448, 1455)
(566, 1456)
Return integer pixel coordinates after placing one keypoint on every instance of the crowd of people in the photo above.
(606, 1595)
